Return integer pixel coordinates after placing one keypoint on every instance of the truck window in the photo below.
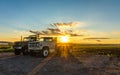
(41, 39)
(48, 40)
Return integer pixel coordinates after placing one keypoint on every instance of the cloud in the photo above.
(96, 38)
(48, 31)
(68, 25)
(76, 35)
(61, 29)
(54, 30)
(68, 28)
(37, 32)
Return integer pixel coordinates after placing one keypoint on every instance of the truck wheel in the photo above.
(17, 52)
(25, 52)
(45, 52)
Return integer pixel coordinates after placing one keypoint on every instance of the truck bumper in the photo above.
(34, 52)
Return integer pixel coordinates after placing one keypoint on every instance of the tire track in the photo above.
(41, 65)
(63, 66)
(19, 65)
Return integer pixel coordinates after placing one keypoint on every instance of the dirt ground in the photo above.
(82, 64)
(71, 64)
(6, 54)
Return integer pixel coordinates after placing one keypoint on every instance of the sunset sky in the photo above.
(97, 21)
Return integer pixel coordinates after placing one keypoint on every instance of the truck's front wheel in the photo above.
(45, 52)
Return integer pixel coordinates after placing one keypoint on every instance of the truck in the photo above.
(22, 46)
(44, 46)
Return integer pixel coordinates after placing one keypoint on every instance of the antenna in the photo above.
(21, 38)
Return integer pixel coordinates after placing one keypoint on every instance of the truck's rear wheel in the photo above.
(17, 52)
(45, 52)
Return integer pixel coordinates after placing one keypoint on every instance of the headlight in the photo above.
(18, 47)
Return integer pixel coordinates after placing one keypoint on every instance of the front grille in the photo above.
(34, 44)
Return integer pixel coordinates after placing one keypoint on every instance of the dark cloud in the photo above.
(76, 35)
(96, 38)
(70, 24)
(54, 30)
(36, 32)
(57, 30)
(44, 32)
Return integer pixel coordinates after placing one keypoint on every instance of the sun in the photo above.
(64, 39)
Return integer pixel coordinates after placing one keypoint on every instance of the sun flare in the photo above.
(64, 39)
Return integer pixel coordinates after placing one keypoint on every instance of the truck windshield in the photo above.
(41, 39)
(30, 39)
(46, 39)
(17, 43)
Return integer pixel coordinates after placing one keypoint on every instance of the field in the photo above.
(81, 60)
(6, 48)
(110, 50)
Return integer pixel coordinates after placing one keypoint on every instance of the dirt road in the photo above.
(72, 64)
(19, 65)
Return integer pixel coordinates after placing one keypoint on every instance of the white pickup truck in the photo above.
(43, 46)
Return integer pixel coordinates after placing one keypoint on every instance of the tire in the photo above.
(25, 52)
(45, 52)
(17, 52)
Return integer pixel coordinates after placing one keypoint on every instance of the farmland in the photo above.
(107, 49)
(6, 48)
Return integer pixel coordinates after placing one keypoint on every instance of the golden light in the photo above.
(64, 39)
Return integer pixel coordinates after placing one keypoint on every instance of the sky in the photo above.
(99, 20)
